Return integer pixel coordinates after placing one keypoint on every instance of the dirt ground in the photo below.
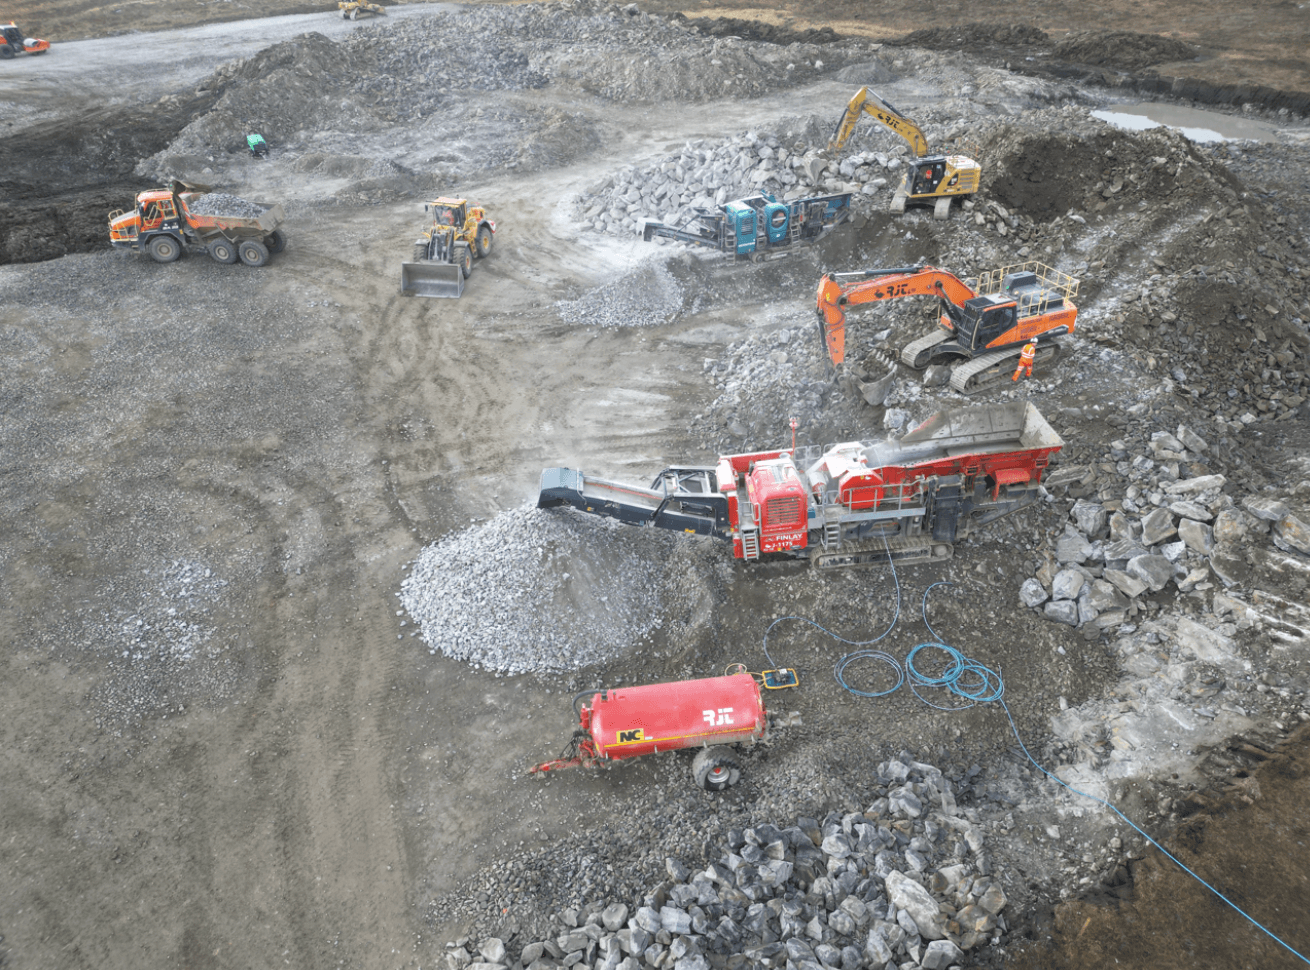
(236, 477)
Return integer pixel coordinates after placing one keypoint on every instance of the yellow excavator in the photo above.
(932, 178)
(351, 9)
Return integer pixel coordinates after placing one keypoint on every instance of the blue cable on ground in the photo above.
(977, 684)
(846, 660)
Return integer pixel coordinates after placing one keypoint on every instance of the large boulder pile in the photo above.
(708, 173)
(1164, 523)
(905, 883)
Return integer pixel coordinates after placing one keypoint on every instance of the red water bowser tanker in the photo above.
(711, 714)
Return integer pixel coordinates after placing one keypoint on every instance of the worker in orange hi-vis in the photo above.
(1026, 360)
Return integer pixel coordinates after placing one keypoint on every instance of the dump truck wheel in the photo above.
(275, 241)
(483, 240)
(223, 251)
(164, 249)
(465, 258)
(253, 252)
(716, 768)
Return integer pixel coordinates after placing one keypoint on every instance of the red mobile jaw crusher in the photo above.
(710, 714)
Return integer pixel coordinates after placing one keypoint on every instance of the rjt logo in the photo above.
(718, 718)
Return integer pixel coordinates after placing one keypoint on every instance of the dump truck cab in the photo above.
(156, 211)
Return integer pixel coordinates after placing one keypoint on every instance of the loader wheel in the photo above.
(483, 240)
(6, 52)
(465, 259)
(275, 241)
(164, 249)
(716, 768)
(253, 252)
(223, 251)
(420, 251)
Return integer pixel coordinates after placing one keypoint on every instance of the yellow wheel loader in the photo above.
(443, 255)
(933, 178)
(351, 9)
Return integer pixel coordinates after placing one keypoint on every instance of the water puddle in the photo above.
(1196, 124)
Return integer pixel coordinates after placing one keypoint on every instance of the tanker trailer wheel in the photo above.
(275, 241)
(716, 768)
(483, 240)
(164, 249)
(253, 252)
(223, 251)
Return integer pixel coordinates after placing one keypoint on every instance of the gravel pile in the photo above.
(645, 296)
(222, 204)
(534, 591)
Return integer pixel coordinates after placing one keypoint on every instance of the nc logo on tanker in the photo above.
(630, 737)
(718, 718)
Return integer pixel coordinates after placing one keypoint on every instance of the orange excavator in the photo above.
(983, 323)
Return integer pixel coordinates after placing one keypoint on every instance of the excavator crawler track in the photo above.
(988, 370)
(918, 353)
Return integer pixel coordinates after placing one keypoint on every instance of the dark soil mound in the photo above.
(756, 30)
(1122, 48)
(967, 36)
(1045, 175)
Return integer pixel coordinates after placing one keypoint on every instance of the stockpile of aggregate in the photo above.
(552, 590)
(645, 296)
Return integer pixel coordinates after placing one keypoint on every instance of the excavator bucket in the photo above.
(431, 279)
(875, 378)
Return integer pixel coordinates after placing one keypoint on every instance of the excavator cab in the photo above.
(928, 174)
(983, 319)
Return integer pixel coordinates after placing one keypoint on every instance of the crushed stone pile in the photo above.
(548, 591)
(645, 296)
(222, 204)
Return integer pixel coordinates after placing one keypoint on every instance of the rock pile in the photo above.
(1170, 528)
(708, 173)
(907, 882)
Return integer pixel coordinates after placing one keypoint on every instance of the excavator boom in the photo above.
(866, 102)
(837, 290)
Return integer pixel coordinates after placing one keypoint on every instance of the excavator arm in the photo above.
(866, 102)
(838, 290)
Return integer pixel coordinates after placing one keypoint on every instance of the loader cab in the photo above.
(14, 36)
(447, 212)
(984, 318)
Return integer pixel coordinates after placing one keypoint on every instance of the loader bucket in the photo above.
(431, 279)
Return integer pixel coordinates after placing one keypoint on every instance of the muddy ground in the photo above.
(224, 744)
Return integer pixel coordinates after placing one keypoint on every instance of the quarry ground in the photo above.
(223, 746)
